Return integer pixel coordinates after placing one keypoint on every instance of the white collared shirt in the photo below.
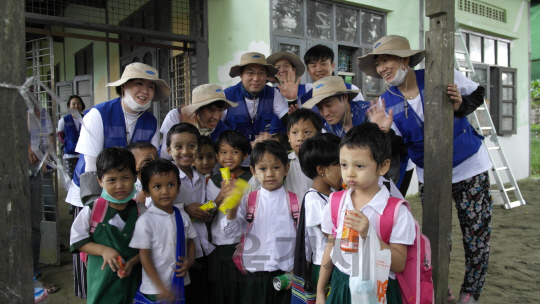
(296, 180)
(271, 240)
(314, 205)
(156, 230)
(403, 231)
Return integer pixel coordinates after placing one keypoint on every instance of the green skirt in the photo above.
(341, 294)
(226, 281)
(315, 269)
(260, 289)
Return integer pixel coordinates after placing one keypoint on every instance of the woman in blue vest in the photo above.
(392, 60)
(208, 102)
(116, 122)
(68, 133)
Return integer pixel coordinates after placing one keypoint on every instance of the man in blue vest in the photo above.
(258, 103)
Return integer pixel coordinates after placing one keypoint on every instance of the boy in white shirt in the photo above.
(231, 148)
(156, 234)
(302, 124)
(182, 142)
(319, 160)
(270, 241)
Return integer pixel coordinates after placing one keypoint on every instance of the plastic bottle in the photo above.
(39, 293)
(349, 238)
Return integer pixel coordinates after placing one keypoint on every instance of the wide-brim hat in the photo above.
(206, 94)
(139, 70)
(327, 87)
(292, 58)
(253, 58)
(389, 45)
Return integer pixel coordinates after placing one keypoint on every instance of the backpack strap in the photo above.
(386, 221)
(98, 213)
(336, 204)
(253, 199)
(294, 207)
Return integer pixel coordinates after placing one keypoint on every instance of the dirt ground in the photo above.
(513, 267)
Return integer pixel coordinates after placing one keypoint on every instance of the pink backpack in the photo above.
(415, 282)
(253, 199)
(97, 214)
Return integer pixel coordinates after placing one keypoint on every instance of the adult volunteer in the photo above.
(116, 122)
(392, 60)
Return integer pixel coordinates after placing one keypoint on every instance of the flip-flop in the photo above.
(52, 289)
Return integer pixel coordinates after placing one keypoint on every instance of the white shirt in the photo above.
(156, 230)
(314, 205)
(271, 240)
(194, 191)
(92, 140)
(476, 163)
(296, 180)
(403, 231)
(280, 107)
(218, 236)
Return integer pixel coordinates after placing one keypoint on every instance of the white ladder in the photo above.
(489, 131)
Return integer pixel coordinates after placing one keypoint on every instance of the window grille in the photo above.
(482, 9)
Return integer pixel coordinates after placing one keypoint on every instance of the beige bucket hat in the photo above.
(206, 94)
(292, 58)
(389, 45)
(139, 70)
(328, 87)
(255, 58)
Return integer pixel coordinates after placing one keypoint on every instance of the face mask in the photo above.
(133, 105)
(111, 199)
(400, 76)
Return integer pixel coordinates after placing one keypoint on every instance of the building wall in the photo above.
(535, 41)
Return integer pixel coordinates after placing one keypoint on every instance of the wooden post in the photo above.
(16, 251)
(438, 139)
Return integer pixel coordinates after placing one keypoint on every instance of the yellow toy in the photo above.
(234, 198)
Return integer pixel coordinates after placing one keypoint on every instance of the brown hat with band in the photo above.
(389, 45)
(139, 70)
(204, 95)
(292, 58)
(327, 87)
(252, 58)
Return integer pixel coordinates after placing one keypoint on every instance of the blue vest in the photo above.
(358, 111)
(238, 117)
(220, 128)
(114, 130)
(466, 140)
(71, 135)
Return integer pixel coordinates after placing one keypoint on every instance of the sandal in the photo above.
(52, 289)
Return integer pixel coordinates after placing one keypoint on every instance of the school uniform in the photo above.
(296, 181)
(228, 282)
(156, 230)
(403, 232)
(314, 203)
(115, 231)
(269, 245)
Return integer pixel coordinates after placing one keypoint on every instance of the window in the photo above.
(503, 105)
(84, 61)
(487, 49)
(350, 31)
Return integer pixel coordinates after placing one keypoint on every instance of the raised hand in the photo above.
(377, 114)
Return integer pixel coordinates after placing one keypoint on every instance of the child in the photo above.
(205, 158)
(110, 239)
(182, 142)
(319, 160)
(364, 157)
(302, 125)
(143, 151)
(231, 149)
(283, 139)
(270, 241)
(156, 232)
